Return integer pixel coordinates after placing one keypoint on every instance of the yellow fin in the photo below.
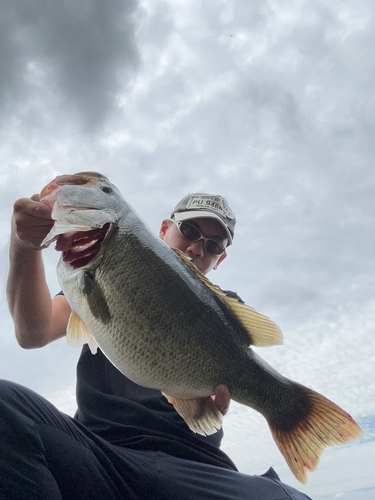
(262, 331)
(78, 334)
(325, 424)
(200, 414)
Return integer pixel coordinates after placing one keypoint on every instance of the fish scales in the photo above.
(165, 326)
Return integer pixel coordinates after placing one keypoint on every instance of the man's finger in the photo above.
(222, 398)
(32, 208)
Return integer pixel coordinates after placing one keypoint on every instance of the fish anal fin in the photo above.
(78, 334)
(95, 297)
(200, 414)
(325, 424)
(262, 331)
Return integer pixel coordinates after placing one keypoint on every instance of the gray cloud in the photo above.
(66, 56)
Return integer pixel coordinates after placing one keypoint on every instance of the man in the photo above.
(125, 441)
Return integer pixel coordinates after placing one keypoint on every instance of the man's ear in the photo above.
(164, 226)
(222, 257)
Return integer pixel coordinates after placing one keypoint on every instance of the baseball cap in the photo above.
(201, 205)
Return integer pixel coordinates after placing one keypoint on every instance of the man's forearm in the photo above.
(28, 297)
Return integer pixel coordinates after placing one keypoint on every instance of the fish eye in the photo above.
(106, 189)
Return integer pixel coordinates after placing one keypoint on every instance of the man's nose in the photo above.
(196, 248)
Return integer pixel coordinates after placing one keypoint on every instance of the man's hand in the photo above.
(31, 222)
(222, 398)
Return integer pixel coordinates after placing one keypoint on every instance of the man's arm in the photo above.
(38, 319)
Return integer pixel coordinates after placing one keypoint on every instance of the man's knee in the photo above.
(6, 387)
(15, 394)
(21, 406)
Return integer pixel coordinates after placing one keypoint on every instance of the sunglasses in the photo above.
(192, 234)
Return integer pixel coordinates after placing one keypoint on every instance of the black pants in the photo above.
(47, 455)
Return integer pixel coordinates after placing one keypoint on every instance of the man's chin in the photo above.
(196, 264)
(200, 267)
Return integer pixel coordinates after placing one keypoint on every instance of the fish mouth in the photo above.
(82, 178)
(81, 247)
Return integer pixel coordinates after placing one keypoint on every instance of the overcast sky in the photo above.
(269, 103)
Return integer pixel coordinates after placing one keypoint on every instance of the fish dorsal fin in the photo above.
(262, 331)
(78, 334)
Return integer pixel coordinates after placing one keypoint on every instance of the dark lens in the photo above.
(189, 232)
(214, 247)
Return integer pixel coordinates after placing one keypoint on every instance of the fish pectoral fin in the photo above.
(78, 334)
(95, 297)
(262, 331)
(200, 414)
(324, 424)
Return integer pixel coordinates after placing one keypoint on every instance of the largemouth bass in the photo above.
(165, 326)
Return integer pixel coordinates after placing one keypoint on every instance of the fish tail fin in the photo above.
(324, 424)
